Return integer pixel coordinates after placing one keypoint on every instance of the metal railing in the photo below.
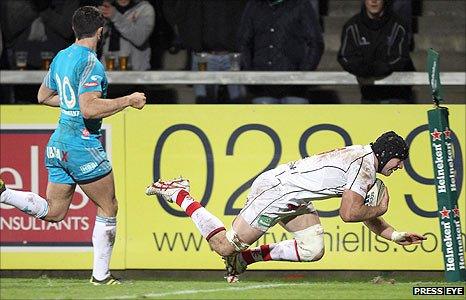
(244, 77)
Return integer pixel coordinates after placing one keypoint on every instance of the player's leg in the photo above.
(308, 235)
(54, 209)
(102, 191)
(225, 243)
(28, 202)
(60, 190)
(307, 243)
(177, 191)
(59, 196)
(240, 237)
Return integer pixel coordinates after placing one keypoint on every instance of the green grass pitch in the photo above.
(60, 288)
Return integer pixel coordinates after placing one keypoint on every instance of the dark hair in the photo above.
(86, 21)
(389, 145)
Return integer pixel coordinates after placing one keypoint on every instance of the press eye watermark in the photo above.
(438, 290)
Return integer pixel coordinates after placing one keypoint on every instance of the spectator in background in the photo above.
(316, 9)
(36, 27)
(280, 35)
(33, 32)
(1, 41)
(208, 29)
(162, 38)
(130, 23)
(374, 43)
(404, 8)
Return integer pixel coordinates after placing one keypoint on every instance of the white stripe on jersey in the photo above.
(328, 174)
(46, 80)
(89, 66)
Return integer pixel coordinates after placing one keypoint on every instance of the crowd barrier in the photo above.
(245, 77)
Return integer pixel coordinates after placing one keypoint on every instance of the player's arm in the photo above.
(94, 107)
(380, 227)
(352, 208)
(47, 93)
(48, 96)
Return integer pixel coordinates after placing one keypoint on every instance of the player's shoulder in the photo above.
(61, 55)
(87, 61)
(360, 149)
(357, 153)
(87, 58)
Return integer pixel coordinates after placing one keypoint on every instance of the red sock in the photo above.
(258, 254)
(284, 250)
(187, 203)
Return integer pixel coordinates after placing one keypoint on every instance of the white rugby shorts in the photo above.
(269, 201)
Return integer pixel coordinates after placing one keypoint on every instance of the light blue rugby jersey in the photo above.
(74, 71)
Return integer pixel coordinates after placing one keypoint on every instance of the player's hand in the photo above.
(137, 100)
(108, 10)
(409, 238)
(383, 206)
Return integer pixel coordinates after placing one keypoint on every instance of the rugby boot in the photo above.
(110, 280)
(167, 188)
(234, 265)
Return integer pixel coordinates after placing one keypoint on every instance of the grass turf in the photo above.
(60, 288)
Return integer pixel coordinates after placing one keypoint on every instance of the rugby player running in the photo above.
(76, 82)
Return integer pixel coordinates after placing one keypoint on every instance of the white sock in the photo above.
(28, 202)
(207, 223)
(103, 239)
(285, 250)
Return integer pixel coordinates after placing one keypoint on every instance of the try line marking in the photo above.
(186, 292)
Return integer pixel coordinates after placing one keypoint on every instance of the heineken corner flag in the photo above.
(445, 177)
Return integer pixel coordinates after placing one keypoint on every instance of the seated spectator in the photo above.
(280, 35)
(374, 44)
(130, 23)
(208, 30)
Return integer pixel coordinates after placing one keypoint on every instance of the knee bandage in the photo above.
(233, 238)
(310, 242)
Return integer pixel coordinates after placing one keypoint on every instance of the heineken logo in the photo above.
(456, 212)
(433, 82)
(447, 133)
(451, 166)
(439, 162)
(448, 247)
(440, 167)
(459, 241)
(436, 135)
(445, 177)
(445, 213)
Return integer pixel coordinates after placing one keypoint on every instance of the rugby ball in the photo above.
(375, 193)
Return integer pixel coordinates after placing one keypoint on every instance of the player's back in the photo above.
(76, 70)
(328, 174)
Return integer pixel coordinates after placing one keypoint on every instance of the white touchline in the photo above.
(184, 292)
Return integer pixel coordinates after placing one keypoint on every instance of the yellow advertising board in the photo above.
(222, 148)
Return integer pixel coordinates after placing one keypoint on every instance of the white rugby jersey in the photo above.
(328, 174)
